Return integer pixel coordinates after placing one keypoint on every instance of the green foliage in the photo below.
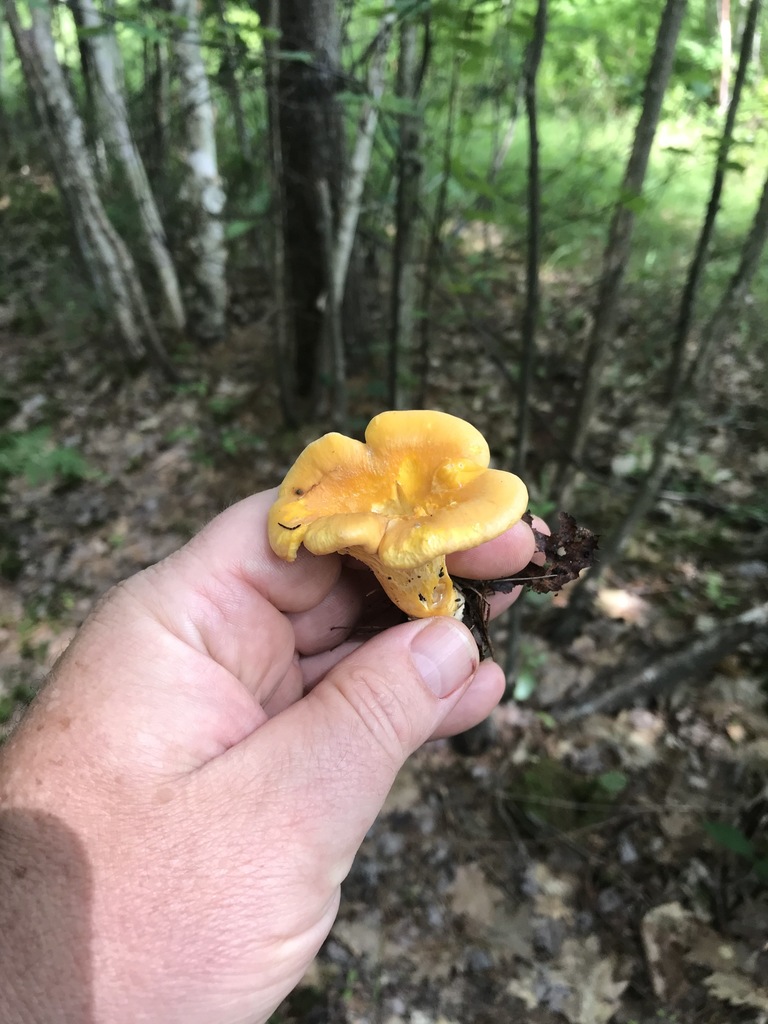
(527, 675)
(613, 782)
(237, 440)
(556, 795)
(33, 455)
(21, 694)
(734, 841)
(716, 592)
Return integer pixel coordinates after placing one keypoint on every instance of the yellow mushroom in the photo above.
(417, 490)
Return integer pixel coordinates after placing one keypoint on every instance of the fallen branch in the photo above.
(615, 690)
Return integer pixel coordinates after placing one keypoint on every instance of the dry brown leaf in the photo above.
(361, 937)
(405, 793)
(472, 894)
(622, 604)
(737, 990)
(511, 933)
(551, 893)
(595, 991)
(526, 987)
(665, 931)
(581, 985)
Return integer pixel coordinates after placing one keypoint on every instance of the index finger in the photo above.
(504, 555)
(235, 546)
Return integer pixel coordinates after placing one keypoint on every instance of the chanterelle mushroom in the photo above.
(417, 490)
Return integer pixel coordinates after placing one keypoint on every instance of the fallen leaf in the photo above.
(737, 990)
(472, 894)
(617, 603)
(361, 937)
(581, 984)
(596, 992)
(666, 931)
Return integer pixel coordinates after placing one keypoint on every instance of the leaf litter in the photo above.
(566, 874)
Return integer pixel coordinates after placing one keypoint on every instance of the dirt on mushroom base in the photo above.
(531, 872)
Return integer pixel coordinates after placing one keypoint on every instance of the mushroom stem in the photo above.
(420, 592)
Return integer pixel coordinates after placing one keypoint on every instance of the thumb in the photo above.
(340, 748)
(394, 692)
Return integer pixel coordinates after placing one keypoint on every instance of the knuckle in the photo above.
(378, 702)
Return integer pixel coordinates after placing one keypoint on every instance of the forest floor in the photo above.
(590, 872)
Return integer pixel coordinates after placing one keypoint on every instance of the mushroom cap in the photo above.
(419, 488)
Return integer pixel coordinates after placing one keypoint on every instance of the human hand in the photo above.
(181, 803)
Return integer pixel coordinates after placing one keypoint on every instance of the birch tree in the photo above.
(104, 57)
(90, 89)
(202, 192)
(107, 259)
(340, 247)
(724, 25)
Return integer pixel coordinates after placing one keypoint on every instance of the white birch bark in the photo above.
(202, 191)
(359, 164)
(106, 256)
(112, 114)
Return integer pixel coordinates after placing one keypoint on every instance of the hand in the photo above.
(182, 801)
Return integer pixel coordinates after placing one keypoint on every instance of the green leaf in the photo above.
(299, 56)
(730, 837)
(525, 684)
(398, 105)
(632, 201)
(90, 31)
(237, 228)
(613, 782)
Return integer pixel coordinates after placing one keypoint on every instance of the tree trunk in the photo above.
(685, 315)
(724, 23)
(202, 194)
(91, 122)
(618, 248)
(104, 253)
(435, 243)
(311, 141)
(6, 133)
(749, 263)
(157, 84)
(677, 417)
(232, 50)
(532, 299)
(339, 249)
(104, 58)
(404, 276)
(285, 359)
(533, 251)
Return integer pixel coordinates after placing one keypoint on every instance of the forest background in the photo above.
(227, 227)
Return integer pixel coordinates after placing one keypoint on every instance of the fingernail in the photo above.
(444, 655)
